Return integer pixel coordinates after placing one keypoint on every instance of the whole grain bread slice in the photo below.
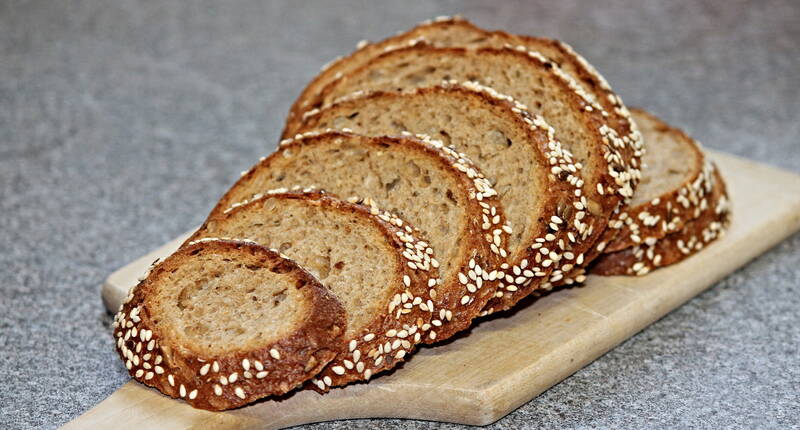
(372, 261)
(221, 324)
(534, 177)
(456, 31)
(673, 248)
(436, 189)
(673, 189)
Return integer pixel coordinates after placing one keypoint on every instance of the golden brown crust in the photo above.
(561, 195)
(406, 315)
(674, 247)
(230, 380)
(482, 247)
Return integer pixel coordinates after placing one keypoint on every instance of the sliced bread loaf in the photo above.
(456, 31)
(675, 247)
(539, 84)
(437, 190)
(673, 189)
(381, 272)
(223, 323)
(534, 177)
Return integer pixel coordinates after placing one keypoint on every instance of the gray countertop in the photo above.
(122, 122)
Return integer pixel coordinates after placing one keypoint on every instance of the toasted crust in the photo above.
(482, 241)
(560, 196)
(436, 31)
(406, 317)
(674, 247)
(667, 213)
(236, 378)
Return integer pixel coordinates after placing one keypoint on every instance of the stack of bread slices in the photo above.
(440, 175)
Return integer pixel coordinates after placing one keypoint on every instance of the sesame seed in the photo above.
(261, 375)
(204, 369)
(339, 370)
(239, 393)
(171, 380)
(217, 390)
(245, 364)
(182, 391)
(275, 354)
(193, 395)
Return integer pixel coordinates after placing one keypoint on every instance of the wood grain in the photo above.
(504, 361)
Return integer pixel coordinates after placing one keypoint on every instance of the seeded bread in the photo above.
(425, 183)
(673, 189)
(223, 323)
(579, 123)
(516, 151)
(370, 260)
(675, 247)
(456, 31)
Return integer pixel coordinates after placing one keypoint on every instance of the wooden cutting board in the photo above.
(504, 361)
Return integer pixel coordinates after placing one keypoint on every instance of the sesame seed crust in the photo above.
(675, 247)
(218, 382)
(374, 351)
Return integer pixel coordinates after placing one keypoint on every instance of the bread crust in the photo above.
(208, 382)
(406, 316)
(482, 247)
(561, 196)
(675, 247)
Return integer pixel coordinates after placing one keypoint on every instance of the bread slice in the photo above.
(675, 247)
(456, 31)
(673, 189)
(515, 150)
(435, 189)
(382, 273)
(223, 323)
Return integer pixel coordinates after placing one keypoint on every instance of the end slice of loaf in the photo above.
(425, 183)
(456, 31)
(221, 324)
(534, 177)
(372, 262)
(675, 247)
(673, 190)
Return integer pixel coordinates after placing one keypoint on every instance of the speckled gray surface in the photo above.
(121, 123)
